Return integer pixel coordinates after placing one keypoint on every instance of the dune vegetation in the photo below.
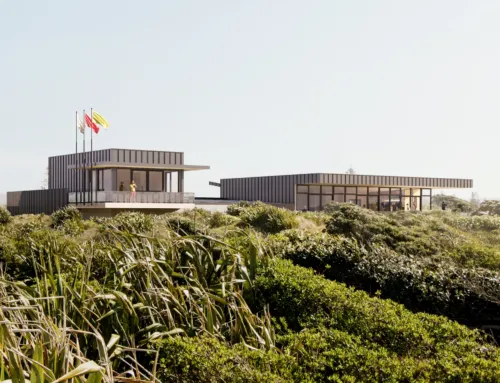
(259, 294)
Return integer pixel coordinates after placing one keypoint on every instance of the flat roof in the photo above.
(116, 165)
(362, 180)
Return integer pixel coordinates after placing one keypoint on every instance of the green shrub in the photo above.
(219, 219)
(134, 222)
(237, 208)
(432, 285)
(269, 219)
(184, 225)
(453, 203)
(206, 359)
(65, 214)
(5, 216)
(307, 300)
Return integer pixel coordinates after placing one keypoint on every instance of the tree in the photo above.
(45, 182)
(474, 199)
(350, 171)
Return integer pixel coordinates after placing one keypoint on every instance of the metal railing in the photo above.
(128, 197)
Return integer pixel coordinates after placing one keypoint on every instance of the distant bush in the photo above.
(184, 225)
(219, 219)
(237, 208)
(268, 219)
(306, 300)
(5, 216)
(133, 222)
(453, 203)
(67, 213)
(489, 208)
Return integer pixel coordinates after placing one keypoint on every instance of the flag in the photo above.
(91, 124)
(80, 124)
(100, 120)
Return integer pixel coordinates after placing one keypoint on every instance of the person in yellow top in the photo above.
(133, 186)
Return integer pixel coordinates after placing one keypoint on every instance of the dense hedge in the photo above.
(432, 285)
(205, 359)
(306, 300)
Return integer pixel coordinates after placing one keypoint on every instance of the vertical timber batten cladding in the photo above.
(401, 192)
(36, 201)
(61, 173)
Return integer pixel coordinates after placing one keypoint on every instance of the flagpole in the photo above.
(75, 186)
(91, 158)
(84, 173)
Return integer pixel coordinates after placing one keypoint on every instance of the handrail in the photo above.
(129, 197)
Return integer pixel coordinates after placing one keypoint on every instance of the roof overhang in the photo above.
(141, 167)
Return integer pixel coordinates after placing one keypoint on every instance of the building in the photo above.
(93, 185)
(313, 191)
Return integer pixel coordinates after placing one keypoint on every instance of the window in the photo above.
(426, 203)
(139, 177)
(361, 201)
(338, 198)
(362, 190)
(302, 189)
(339, 190)
(350, 190)
(155, 181)
(326, 190)
(351, 198)
(325, 199)
(314, 189)
(122, 175)
(314, 202)
(301, 203)
(373, 202)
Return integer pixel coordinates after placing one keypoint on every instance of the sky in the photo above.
(257, 87)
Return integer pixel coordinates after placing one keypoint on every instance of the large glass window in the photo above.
(325, 198)
(351, 198)
(314, 202)
(362, 191)
(301, 203)
(426, 202)
(326, 189)
(139, 177)
(362, 201)
(350, 190)
(155, 181)
(314, 189)
(373, 202)
(339, 190)
(395, 199)
(338, 198)
(123, 177)
(302, 189)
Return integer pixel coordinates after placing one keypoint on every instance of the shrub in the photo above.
(5, 216)
(206, 359)
(65, 214)
(237, 208)
(452, 203)
(219, 219)
(184, 225)
(306, 300)
(489, 208)
(269, 219)
(431, 285)
(134, 222)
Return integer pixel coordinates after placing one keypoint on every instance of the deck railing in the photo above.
(128, 197)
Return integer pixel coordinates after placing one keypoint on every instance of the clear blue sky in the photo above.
(257, 87)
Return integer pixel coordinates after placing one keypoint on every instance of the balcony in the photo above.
(126, 197)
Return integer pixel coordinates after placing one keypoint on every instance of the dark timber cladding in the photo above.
(281, 189)
(36, 201)
(274, 189)
(62, 176)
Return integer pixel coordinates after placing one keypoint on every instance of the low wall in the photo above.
(36, 201)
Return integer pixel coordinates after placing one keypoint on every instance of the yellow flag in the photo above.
(100, 119)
